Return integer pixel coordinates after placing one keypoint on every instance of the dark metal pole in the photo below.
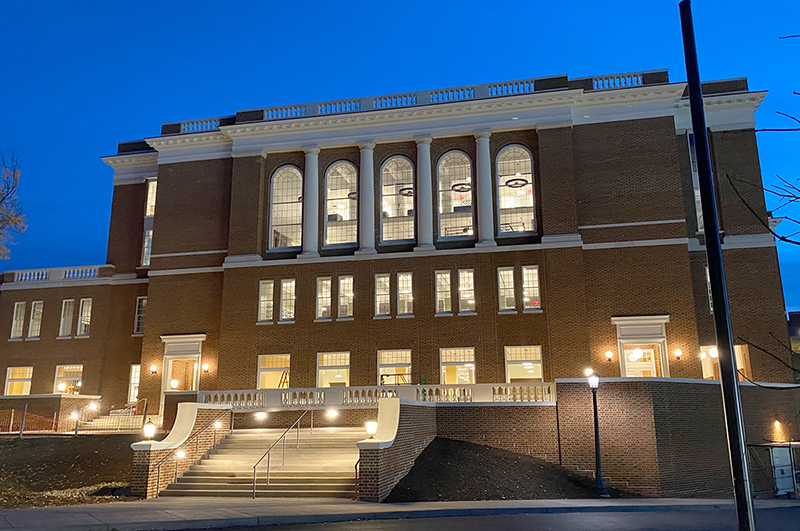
(599, 486)
(731, 402)
(22, 424)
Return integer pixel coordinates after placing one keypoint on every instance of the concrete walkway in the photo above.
(204, 513)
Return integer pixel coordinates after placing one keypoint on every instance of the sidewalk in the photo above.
(202, 513)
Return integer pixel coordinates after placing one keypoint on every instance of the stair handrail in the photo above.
(267, 453)
(194, 437)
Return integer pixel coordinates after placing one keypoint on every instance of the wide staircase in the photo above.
(322, 466)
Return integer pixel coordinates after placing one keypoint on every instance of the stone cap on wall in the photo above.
(184, 424)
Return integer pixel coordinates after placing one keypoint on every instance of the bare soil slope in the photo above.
(39, 471)
(453, 470)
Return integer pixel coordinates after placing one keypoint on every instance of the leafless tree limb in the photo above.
(12, 220)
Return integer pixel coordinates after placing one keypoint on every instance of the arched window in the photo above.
(515, 191)
(454, 177)
(397, 198)
(341, 204)
(286, 208)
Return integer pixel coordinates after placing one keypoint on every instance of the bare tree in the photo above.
(12, 220)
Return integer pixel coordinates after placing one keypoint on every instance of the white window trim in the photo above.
(437, 206)
(467, 312)
(380, 195)
(500, 291)
(443, 364)
(272, 206)
(30, 321)
(260, 369)
(55, 380)
(525, 233)
(14, 321)
(317, 316)
(392, 365)
(411, 295)
(539, 362)
(344, 245)
(9, 380)
(351, 307)
(449, 290)
(271, 318)
(136, 316)
(538, 287)
(80, 317)
(281, 319)
(69, 322)
(332, 367)
(642, 330)
(131, 400)
(147, 198)
(387, 315)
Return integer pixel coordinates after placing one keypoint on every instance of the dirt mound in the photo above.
(39, 471)
(453, 470)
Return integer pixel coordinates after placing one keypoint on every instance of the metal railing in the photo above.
(196, 438)
(268, 453)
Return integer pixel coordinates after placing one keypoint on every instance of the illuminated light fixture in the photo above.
(636, 355)
(703, 355)
(92, 406)
(331, 413)
(406, 291)
(678, 353)
(205, 368)
(61, 387)
(609, 355)
(349, 294)
(469, 231)
(153, 369)
(531, 371)
(518, 174)
(521, 228)
(74, 415)
(149, 429)
(181, 454)
(469, 365)
(588, 371)
(777, 424)
(338, 376)
(261, 415)
(594, 381)
(173, 384)
(217, 425)
(713, 352)
(471, 301)
(372, 428)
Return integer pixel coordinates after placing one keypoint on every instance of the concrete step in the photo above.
(248, 480)
(297, 487)
(277, 473)
(262, 492)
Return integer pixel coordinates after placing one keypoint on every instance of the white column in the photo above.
(483, 190)
(311, 204)
(424, 195)
(366, 200)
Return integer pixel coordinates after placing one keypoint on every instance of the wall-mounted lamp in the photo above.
(588, 371)
(217, 425)
(173, 384)
(205, 368)
(609, 355)
(153, 369)
(713, 352)
(61, 387)
(74, 415)
(93, 406)
(678, 353)
(181, 454)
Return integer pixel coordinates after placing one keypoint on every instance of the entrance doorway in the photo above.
(640, 360)
(182, 356)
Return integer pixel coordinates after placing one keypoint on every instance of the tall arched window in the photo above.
(286, 221)
(454, 177)
(341, 204)
(515, 191)
(397, 199)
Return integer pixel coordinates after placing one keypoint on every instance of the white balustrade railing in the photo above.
(617, 81)
(368, 396)
(57, 273)
(198, 126)
(511, 88)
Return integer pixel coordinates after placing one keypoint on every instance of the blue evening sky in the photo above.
(78, 77)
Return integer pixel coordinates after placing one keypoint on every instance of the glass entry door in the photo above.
(640, 360)
(182, 374)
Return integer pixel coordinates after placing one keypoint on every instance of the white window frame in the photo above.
(470, 233)
(394, 365)
(266, 304)
(708, 291)
(27, 380)
(18, 320)
(408, 298)
(135, 374)
(474, 302)
(138, 317)
(533, 308)
(449, 297)
(333, 367)
(292, 300)
(388, 295)
(65, 324)
(286, 369)
(322, 299)
(443, 364)
(346, 298)
(698, 205)
(530, 361)
(85, 328)
(79, 379)
(642, 330)
(147, 247)
(325, 210)
(501, 295)
(35, 323)
(272, 203)
(413, 203)
(150, 201)
(527, 231)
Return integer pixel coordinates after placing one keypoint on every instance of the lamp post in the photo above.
(599, 486)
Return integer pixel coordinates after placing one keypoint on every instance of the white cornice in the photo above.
(724, 112)
(133, 168)
(49, 284)
(197, 146)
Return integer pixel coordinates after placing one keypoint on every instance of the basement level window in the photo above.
(69, 379)
(458, 366)
(273, 371)
(18, 381)
(333, 369)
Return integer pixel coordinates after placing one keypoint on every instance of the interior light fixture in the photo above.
(713, 352)
(636, 355)
(61, 387)
(173, 384)
(153, 369)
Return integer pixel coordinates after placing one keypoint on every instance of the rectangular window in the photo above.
(698, 205)
(346, 297)
(333, 369)
(394, 367)
(458, 366)
(35, 327)
(505, 287)
(18, 381)
(69, 379)
(150, 208)
(67, 308)
(266, 300)
(141, 306)
(324, 298)
(530, 288)
(147, 246)
(18, 322)
(466, 291)
(133, 386)
(85, 317)
(443, 296)
(523, 364)
(382, 295)
(287, 299)
(273, 371)
(405, 294)
(708, 289)
(709, 361)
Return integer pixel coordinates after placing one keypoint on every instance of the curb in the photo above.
(253, 521)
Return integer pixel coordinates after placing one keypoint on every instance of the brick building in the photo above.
(512, 232)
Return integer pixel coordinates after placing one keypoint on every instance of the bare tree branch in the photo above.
(763, 222)
(12, 220)
(789, 37)
(767, 352)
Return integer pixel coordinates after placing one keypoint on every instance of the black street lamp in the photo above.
(599, 486)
